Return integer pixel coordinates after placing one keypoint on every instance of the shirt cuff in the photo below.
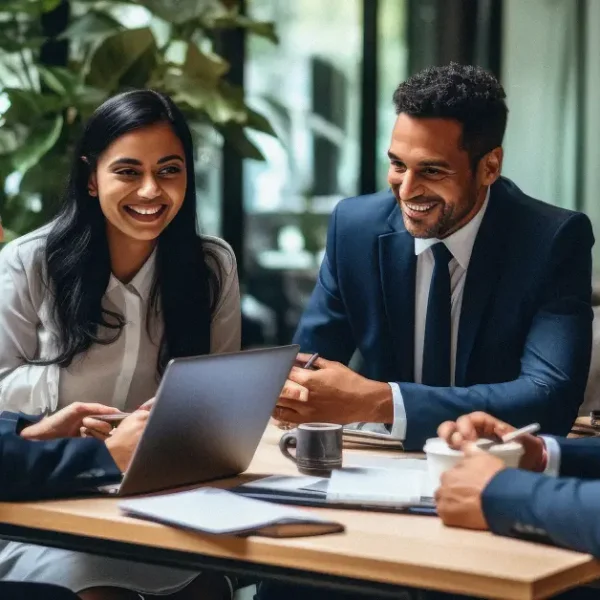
(553, 452)
(399, 425)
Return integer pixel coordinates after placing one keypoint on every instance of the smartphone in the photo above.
(116, 418)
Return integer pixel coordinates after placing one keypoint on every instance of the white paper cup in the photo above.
(441, 458)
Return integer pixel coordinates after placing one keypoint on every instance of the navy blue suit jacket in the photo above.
(563, 509)
(43, 469)
(524, 341)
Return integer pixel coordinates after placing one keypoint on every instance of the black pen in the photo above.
(311, 361)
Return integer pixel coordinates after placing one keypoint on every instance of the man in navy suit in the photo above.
(460, 292)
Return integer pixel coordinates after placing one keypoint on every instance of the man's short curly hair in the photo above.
(468, 94)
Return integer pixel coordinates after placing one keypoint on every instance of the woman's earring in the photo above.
(92, 192)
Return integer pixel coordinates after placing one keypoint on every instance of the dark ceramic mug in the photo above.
(318, 448)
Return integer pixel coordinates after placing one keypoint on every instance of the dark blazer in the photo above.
(564, 510)
(42, 469)
(524, 341)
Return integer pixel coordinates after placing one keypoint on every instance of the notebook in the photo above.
(220, 512)
(371, 439)
(366, 483)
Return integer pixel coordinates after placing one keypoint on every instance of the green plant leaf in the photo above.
(237, 137)
(9, 140)
(204, 66)
(88, 99)
(36, 180)
(140, 72)
(19, 218)
(59, 80)
(178, 11)
(48, 5)
(259, 123)
(11, 39)
(264, 29)
(94, 25)
(26, 105)
(116, 54)
(220, 108)
(31, 7)
(40, 141)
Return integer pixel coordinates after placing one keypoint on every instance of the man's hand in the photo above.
(458, 498)
(333, 393)
(470, 428)
(66, 422)
(124, 439)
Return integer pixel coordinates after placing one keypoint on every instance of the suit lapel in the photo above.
(397, 263)
(483, 273)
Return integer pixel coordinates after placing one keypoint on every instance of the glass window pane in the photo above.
(392, 63)
(308, 86)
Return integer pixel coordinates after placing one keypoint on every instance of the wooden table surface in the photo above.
(377, 547)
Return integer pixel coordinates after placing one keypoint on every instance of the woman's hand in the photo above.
(124, 439)
(101, 430)
(66, 422)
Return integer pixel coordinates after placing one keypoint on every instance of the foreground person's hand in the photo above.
(458, 499)
(66, 422)
(471, 427)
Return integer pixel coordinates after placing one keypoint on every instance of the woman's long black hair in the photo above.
(77, 260)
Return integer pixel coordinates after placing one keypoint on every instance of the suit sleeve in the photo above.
(555, 360)
(579, 457)
(325, 326)
(563, 511)
(44, 469)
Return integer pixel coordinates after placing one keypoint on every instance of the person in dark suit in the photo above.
(460, 292)
(530, 502)
(552, 497)
(38, 460)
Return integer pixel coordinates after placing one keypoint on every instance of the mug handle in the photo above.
(284, 444)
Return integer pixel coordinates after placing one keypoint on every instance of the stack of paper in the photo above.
(371, 439)
(376, 485)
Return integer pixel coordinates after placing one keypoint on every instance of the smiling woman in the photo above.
(96, 303)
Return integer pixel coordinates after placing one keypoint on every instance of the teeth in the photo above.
(419, 207)
(145, 210)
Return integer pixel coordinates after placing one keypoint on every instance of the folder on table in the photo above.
(220, 512)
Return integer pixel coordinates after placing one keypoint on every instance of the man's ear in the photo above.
(93, 185)
(491, 166)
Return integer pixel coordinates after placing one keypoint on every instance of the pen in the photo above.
(310, 362)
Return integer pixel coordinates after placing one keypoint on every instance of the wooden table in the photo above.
(377, 553)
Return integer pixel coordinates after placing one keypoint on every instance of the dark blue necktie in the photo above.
(436, 350)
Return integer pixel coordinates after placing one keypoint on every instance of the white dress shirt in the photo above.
(122, 374)
(460, 244)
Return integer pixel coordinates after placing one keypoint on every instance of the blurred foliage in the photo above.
(43, 107)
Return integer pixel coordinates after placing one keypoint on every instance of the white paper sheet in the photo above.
(377, 486)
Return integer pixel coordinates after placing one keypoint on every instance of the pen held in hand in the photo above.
(311, 361)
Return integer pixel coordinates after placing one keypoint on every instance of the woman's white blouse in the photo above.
(121, 374)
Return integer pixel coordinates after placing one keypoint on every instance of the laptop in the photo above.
(209, 415)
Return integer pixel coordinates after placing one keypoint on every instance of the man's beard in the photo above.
(448, 218)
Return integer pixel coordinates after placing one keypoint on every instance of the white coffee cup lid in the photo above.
(440, 447)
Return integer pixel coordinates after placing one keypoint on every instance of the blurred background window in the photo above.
(318, 109)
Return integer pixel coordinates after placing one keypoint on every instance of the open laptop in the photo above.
(209, 415)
